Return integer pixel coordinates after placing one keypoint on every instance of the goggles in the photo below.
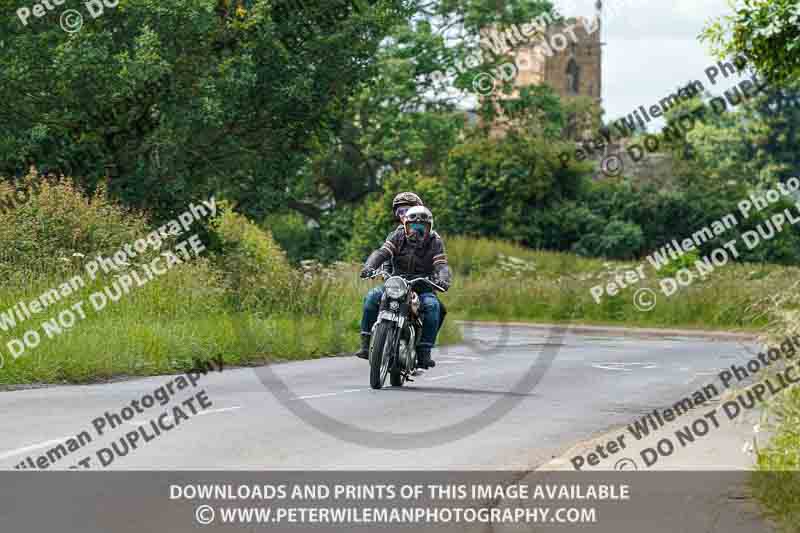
(401, 211)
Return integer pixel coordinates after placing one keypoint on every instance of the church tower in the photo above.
(568, 58)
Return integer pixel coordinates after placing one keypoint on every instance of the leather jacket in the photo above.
(409, 260)
(387, 265)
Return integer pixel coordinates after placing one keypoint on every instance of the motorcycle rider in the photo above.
(415, 250)
(400, 205)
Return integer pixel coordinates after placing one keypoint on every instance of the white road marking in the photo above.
(312, 396)
(465, 357)
(19, 451)
(699, 375)
(201, 413)
(604, 367)
(445, 376)
(622, 366)
(222, 410)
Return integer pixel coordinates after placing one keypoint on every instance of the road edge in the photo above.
(624, 331)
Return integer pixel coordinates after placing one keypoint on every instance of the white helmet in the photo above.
(418, 223)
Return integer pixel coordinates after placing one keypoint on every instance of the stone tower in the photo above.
(568, 59)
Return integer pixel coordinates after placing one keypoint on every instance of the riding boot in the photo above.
(424, 357)
(363, 353)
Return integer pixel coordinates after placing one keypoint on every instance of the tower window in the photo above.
(573, 77)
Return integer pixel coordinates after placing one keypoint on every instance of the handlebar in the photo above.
(380, 273)
(410, 282)
(426, 280)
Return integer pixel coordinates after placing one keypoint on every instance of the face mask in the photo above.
(418, 228)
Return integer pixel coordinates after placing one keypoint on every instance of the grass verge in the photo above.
(498, 281)
(168, 324)
(777, 481)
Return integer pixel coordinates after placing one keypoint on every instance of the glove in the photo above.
(367, 272)
(442, 283)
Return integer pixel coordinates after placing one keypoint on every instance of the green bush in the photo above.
(501, 188)
(686, 260)
(256, 271)
(295, 236)
(617, 240)
(54, 222)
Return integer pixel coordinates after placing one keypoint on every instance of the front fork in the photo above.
(393, 335)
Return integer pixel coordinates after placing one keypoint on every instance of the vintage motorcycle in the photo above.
(396, 333)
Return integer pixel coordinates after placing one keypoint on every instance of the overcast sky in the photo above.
(651, 47)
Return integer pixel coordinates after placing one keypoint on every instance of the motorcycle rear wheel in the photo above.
(379, 354)
(397, 376)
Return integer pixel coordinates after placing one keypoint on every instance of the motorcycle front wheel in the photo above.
(380, 354)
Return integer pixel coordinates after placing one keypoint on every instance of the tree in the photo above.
(408, 118)
(754, 144)
(176, 99)
(766, 32)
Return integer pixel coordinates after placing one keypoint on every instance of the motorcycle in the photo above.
(397, 332)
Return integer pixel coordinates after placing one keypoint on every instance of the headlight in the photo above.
(395, 288)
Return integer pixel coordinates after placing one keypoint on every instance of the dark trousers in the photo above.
(432, 315)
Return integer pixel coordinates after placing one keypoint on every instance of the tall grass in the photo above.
(241, 301)
(777, 482)
(500, 281)
(182, 316)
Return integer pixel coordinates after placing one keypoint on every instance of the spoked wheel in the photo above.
(380, 354)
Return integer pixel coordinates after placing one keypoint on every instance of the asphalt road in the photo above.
(469, 412)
